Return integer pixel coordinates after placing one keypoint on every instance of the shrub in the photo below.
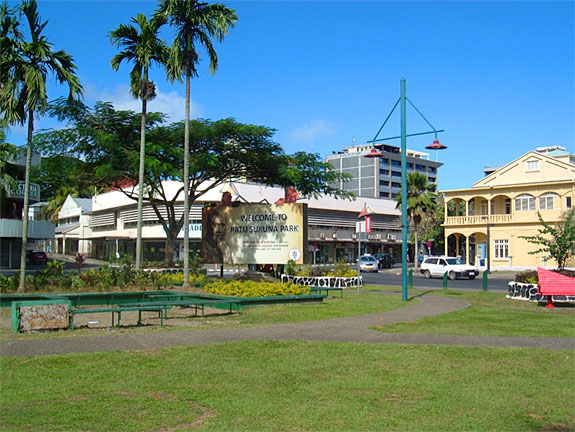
(531, 276)
(528, 277)
(291, 268)
(255, 289)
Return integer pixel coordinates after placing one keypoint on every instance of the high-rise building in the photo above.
(379, 177)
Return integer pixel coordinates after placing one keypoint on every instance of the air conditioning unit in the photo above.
(321, 235)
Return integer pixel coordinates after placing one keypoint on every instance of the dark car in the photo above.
(36, 257)
(385, 260)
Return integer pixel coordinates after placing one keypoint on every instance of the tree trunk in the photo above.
(170, 246)
(186, 283)
(21, 284)
(416, 257)
(141, 184)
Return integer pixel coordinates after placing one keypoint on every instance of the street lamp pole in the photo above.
(374, 153)
(404, 226)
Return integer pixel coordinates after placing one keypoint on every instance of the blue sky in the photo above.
(497, 76)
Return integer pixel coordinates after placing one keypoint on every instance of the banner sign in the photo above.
(254, 234)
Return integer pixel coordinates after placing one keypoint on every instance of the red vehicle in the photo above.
(36, 257)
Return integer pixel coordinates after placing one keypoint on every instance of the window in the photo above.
(568, 202)
(546, 201)
(507, 206)
(483, 207)
(533, 165)
(524, 202)
(501, 248)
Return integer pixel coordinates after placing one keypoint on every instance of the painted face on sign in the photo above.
(219, 228)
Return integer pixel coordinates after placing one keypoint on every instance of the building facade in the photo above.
(331, 224)
(73, 232)
(489, 219)
(11, 209)
(379, 177)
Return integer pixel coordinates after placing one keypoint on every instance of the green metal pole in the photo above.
(485, 276)
(358, 256)
(404, 249)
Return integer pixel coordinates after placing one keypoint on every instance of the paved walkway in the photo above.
(352, 329)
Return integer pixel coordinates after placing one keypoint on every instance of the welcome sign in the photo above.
(254, 234)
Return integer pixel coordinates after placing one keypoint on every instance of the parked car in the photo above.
(368, 263)
(36, 257)
(454, 267)
(385, 260)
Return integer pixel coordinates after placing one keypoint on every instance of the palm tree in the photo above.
(195, 23)
(23, 91)
(140, 47)
(421, 198)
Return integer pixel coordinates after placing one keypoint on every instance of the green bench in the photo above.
(118, 310)
(316, 289)
(196, 303)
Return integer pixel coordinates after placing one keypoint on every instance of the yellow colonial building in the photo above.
(484, 224)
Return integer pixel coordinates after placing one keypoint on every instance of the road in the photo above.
(386, 277)
(392, 277)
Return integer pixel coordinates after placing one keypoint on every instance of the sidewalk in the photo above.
(351, 329)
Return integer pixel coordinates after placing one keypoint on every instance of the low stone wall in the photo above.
(530, 292)
(322, 281)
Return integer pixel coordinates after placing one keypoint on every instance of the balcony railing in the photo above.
(18, 191)
(36, 229)
(478, 220)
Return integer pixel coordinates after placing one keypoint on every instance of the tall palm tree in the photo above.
(140, 46)
(421, 199)
(23, 91)
(195, 23)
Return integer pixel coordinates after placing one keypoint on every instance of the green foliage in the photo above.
(291, 268)
(527, 277)
(421, 202)
(106, 278)
(558, 241)
(8, 283)
(255, 289)
(342, 269)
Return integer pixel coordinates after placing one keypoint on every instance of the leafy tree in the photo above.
(558, 241)
(219, 150)
(23, 94)
(7, 151)
(430, 225)
(196, 24)
(421, 201)
(141, 46)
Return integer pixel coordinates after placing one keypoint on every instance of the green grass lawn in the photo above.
(292, 386)
(492, 314)
(351, 304)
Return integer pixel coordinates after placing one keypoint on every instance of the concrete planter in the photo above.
(322, 281)
(530, 292)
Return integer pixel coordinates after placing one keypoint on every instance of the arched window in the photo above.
(524, 202)
(547, 201)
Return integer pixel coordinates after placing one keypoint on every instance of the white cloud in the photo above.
(310, 132)
(171, 104)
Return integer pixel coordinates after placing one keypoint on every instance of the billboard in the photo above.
(254, 234)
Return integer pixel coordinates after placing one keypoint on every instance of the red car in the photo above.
(35, 257)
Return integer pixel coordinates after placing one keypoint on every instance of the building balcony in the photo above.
(478, 220)
(12, 228)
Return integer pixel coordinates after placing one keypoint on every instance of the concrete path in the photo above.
(352, 329)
